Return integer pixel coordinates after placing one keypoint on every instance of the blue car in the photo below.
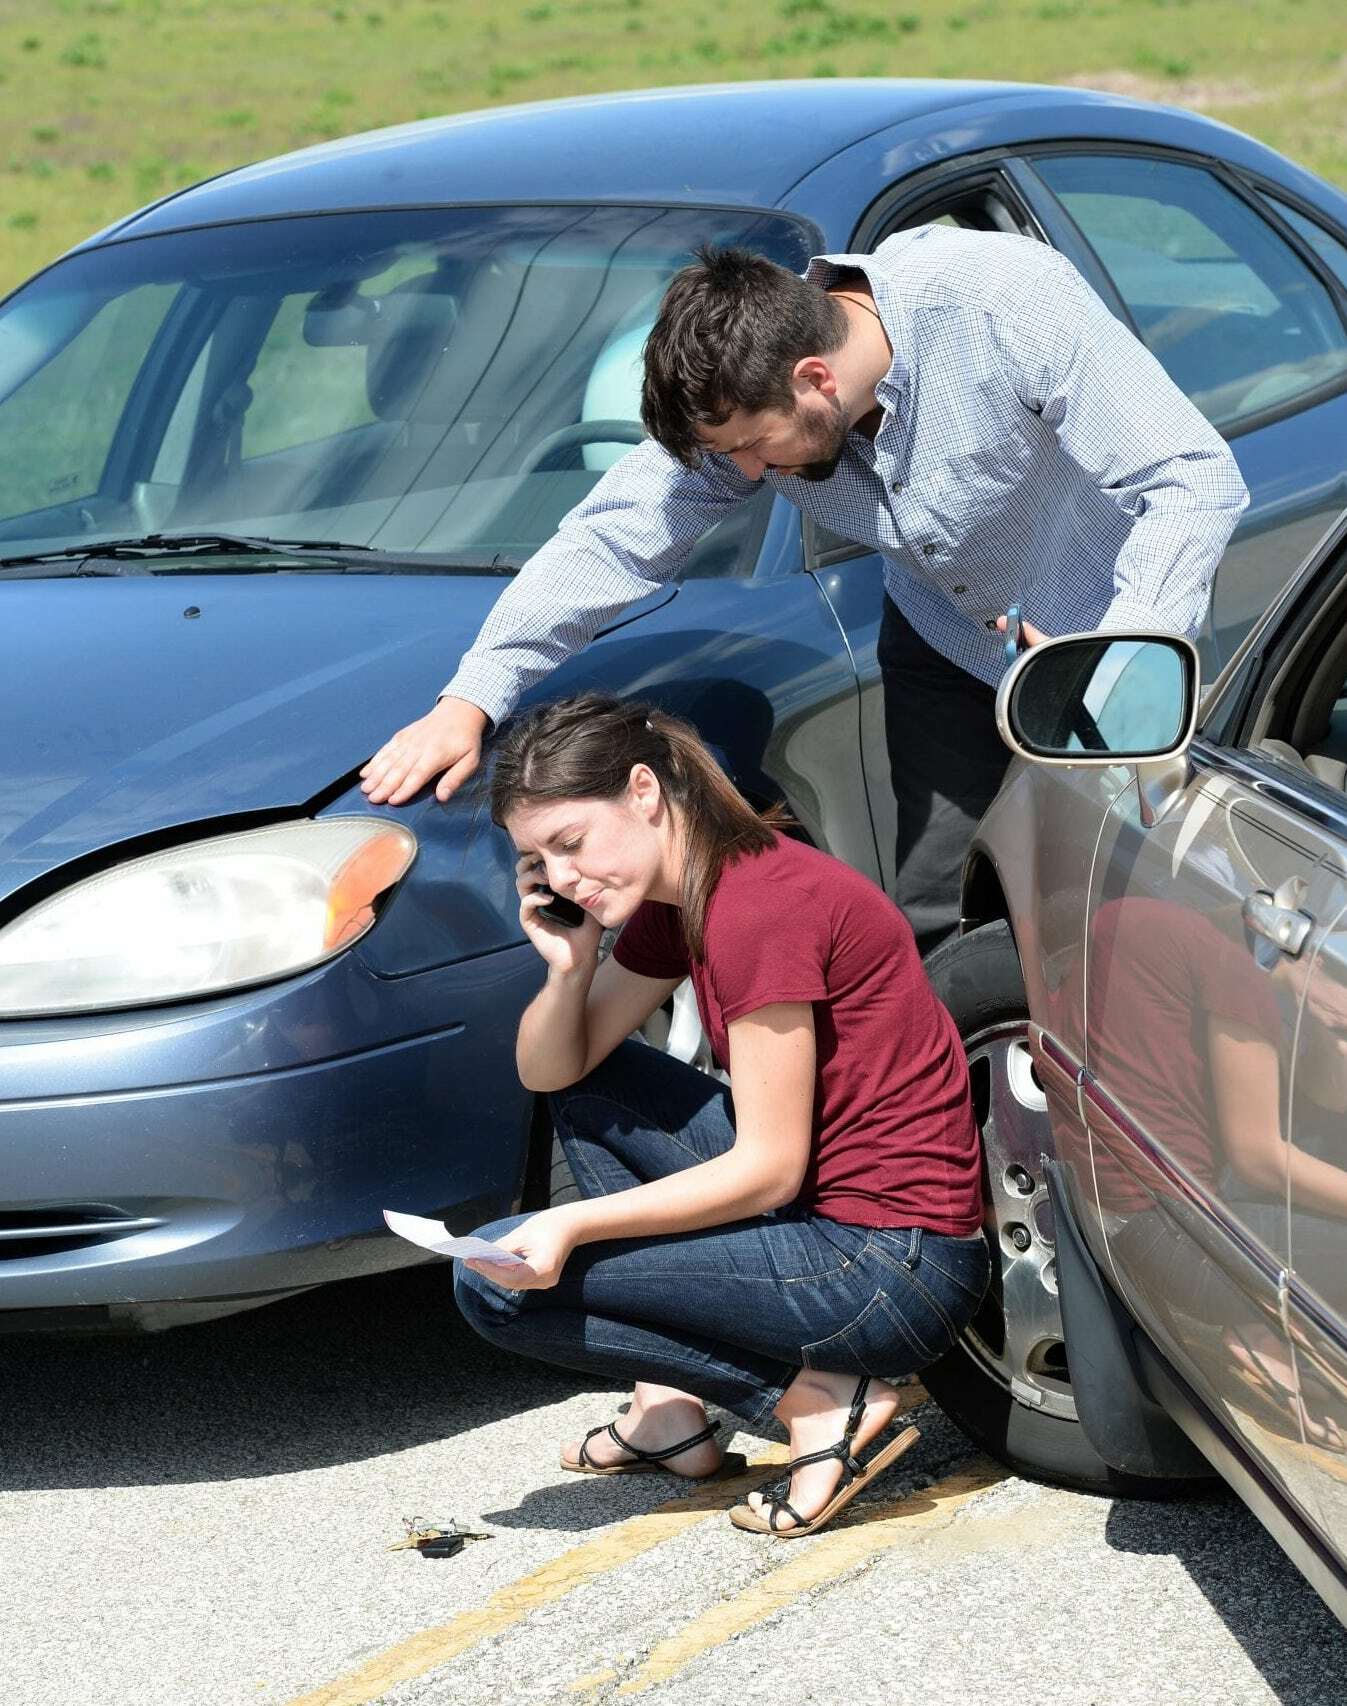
(294, 427)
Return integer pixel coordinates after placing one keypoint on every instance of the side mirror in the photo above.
(1100, 699)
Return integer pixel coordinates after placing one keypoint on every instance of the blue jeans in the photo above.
(730, 1313)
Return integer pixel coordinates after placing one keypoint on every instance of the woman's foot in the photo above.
(658, 1416)
(815, 1408)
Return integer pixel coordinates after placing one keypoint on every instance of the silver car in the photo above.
(1152, 985)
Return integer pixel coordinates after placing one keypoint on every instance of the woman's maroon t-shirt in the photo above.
(895, 1143)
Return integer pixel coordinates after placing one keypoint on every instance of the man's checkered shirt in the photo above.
(1031, 451)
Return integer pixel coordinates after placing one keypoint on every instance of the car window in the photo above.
(58, 420)
(445, 382)
(1329, 249)
(1232, 313)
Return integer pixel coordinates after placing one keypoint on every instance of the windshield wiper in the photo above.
(327, 555)
(150, 545)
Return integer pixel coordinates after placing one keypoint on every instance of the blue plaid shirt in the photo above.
(1031, 451)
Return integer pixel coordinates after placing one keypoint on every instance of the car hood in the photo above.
(135, 705)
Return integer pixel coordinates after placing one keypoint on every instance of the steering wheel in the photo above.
(580, 432)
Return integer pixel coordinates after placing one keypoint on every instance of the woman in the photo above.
(779, 1249)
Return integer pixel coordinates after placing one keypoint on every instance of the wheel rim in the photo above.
(1016, 1334)
(676, 1029)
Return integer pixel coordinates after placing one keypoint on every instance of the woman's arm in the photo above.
(578, 1018)
(772, 1063)
(1245, 1085)
(584, 1009)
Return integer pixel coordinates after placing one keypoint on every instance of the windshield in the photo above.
(440, 383)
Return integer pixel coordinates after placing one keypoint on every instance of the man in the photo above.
(959, 401)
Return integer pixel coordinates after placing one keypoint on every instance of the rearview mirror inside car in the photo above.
(1100, 699)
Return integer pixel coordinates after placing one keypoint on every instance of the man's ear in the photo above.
(812, 373)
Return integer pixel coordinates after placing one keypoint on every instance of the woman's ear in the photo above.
(644, 793)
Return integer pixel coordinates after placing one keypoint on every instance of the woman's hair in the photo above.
(584, 747)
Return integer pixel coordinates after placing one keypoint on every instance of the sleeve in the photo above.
(629, 537)
(1229, 984)
(764, 944)
(1119, 416)
(651, 942)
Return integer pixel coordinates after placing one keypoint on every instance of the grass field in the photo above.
(109, 103)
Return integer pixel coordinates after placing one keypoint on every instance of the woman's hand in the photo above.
(565, 949)
(544, 1241)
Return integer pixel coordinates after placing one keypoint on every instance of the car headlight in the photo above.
(196, 920)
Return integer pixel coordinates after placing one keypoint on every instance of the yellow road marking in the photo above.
(430, 1648)
(872, 1530)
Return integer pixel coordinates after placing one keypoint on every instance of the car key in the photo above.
(559, 910)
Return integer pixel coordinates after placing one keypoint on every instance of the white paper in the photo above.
(430, 1235)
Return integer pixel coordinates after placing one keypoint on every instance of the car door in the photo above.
(979, 194)
(1192, 989)
(1240, 298)
(1316, 1300)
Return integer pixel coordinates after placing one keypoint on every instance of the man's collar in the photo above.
(824, 269)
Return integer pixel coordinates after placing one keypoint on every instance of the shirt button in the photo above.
(928, 550)
(897, 486)
(959, 589)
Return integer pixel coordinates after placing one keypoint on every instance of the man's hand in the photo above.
(447, 743)
(1032, 636)
(544, 1240)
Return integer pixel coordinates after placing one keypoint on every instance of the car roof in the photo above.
(736, 144)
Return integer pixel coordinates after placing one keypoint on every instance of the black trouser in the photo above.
(947, 762)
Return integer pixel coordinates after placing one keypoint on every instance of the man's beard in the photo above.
(832, 440)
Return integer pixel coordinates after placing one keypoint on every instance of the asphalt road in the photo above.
(204, 1517)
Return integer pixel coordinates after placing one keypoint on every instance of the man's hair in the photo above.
(730, 330)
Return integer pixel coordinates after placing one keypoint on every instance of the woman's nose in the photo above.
(560, 875)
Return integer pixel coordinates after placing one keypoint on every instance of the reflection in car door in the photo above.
(1190, 1027)
(1317, 1192)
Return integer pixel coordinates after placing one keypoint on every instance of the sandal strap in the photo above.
(857, 1410)
(776, 1507)
(582, 1456)
(851, 1465)
(707, 1432)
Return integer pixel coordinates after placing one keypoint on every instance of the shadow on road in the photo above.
(1264, 1601)
(346, 1372)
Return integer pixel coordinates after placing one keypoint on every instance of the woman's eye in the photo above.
(571, 847)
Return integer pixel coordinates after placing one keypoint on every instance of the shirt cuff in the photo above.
(491, 692)
(1133, 615)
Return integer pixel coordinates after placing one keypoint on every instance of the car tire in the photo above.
(1037, 1435)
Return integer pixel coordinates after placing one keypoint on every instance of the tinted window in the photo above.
(440, 383)
(1329, 249)
(1228, 308)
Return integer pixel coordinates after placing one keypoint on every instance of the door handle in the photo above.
(1286, 927)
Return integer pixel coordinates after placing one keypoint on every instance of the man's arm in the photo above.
(1119, 416)
(630, 536)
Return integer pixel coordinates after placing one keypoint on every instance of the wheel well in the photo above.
(984, 899)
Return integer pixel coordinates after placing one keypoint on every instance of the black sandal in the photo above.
(855, 1475)
(646, 1462)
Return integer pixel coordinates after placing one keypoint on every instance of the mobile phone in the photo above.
(559, 910)
(1014, 633)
